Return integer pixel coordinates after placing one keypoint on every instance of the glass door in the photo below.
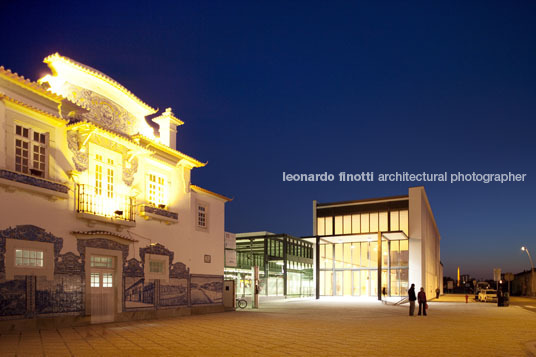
(373, 283)
(356, 286)
(338, 283)
(364, 282)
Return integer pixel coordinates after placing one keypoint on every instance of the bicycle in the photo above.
(241, 303)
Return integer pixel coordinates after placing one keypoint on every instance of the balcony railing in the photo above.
(105, 204)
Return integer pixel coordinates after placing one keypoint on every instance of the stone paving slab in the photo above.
(328, 327)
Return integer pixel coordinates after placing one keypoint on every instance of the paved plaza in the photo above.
(331, 326)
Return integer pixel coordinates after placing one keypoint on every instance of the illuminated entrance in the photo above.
(349, 266)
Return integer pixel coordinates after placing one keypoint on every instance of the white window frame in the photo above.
(42, 143)
(47, 270)
(32, 258)
(164, 259)
(160, 188)
(198, 212)
(156, 263)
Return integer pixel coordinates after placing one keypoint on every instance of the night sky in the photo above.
(305, 87)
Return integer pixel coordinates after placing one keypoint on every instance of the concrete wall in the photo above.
(424, 244)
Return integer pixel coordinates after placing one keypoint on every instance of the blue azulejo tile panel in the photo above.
(63, 294)
(34, 181)
(174, 292)
(138, 293)
(12, 296)
(206, 289)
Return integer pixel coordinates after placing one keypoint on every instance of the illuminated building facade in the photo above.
(371, 247)
(285, 265)
(99, 220)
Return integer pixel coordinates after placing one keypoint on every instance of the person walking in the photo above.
(422, 302)
(412, 298)
(437, 291)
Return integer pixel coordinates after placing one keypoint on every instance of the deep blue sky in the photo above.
(267, 87)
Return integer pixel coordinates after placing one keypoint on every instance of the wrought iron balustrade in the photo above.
(99, 202)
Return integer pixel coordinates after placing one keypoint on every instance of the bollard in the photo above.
(466, 298)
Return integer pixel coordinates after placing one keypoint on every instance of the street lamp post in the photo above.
(531, 271)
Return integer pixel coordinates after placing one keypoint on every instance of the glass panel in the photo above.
(329, 226)
(404, 253)
(156, 267)
(373, 222)
(320, 229)
(364, 254)
(347, 224)
(347, 283)
(356, 255)
(394, 221)
(365, 223)
(384, 227)
(338, 256)
(373, 282)
(385, 282)
(338, 224)
(95, 283)
(102, 262)
(395, 282)
(395, 254)
(373, 255)
(403, 282)
(347, 255)
(356, 290)
(338, 283)
(329, 256)
(328, 283)
(29, 258)
(107, 280)
(404, 222)
(364, 282)
(356, 223)
(385, 254)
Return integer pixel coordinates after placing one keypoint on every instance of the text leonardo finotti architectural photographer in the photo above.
(99, 220)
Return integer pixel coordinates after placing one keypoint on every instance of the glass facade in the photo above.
(351, 268)
(369, 222)
(285, 266)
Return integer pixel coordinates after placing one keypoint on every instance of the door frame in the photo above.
(118, 277)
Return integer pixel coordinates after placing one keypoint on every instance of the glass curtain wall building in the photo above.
(285, 264)
(351, 236)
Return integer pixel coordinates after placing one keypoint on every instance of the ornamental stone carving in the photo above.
(103, 111)
(129, 172)
(80, 158)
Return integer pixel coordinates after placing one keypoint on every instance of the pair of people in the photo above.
(421, 298)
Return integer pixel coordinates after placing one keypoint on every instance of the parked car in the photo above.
(487, 295)
(480, 286)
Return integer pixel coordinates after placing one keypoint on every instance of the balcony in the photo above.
(13, 181)
(94, 204)
(149, 211)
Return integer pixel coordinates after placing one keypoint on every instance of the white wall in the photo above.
(415, 240)
(20, 207)
(425, 239)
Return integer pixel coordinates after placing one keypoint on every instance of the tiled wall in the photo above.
(27, 297)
